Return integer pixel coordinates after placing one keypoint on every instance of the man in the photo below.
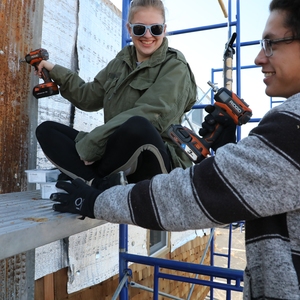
(256, 180)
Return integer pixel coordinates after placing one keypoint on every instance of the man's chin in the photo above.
(271, 93)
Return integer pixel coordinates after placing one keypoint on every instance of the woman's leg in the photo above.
(57, 142)
(136, 141)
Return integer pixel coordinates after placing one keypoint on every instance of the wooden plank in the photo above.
(49, 287)
(39, 289)
(60, 281)
(27, 222)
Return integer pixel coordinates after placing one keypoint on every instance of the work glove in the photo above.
(79, 199)
(228, 132)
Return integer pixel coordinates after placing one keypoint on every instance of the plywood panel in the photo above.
(59, 38)
(106, 289)
(93, 255)
(98, 41)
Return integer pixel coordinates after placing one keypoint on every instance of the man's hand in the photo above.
(228, 128)
(79, 199)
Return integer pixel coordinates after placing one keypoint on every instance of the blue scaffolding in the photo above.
(233, 277)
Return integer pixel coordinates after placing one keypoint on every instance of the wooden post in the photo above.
(20, 32)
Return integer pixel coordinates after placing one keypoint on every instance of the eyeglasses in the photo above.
(266, 44)
(140, 29)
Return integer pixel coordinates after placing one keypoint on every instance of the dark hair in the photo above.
(292, 10)
(136, 4)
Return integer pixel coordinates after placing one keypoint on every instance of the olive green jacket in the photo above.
(160, 89)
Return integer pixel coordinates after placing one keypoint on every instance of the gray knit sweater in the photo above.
(257, 180)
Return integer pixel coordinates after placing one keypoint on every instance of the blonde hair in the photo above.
(136, 4)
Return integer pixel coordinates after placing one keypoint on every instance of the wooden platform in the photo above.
(27, 222)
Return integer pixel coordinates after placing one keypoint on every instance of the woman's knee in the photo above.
(43, 129)
(137, 126)
(53, 130)
(138, 119)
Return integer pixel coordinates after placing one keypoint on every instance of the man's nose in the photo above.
(260, 58)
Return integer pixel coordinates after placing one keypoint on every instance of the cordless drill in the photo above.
(48, 88)
(227, 103)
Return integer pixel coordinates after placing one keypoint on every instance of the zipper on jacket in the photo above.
(113, 93)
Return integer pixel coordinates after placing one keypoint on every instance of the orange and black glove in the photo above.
(228, 132)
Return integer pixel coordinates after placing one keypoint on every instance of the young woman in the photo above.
(145, 89)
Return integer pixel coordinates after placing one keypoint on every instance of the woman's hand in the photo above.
(43, 64)
(87, 163)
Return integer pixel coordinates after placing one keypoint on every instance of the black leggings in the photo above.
(131, 143)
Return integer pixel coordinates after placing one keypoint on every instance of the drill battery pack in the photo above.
(45, 90)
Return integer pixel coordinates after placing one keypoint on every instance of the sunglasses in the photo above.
(140, 29)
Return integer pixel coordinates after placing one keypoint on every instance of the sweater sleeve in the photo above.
(257, 177)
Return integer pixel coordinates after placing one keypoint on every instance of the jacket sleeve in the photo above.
(164, 101)
(87, 96)
(257, 177)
